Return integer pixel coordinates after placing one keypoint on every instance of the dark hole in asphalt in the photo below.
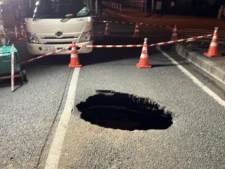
(123, 111)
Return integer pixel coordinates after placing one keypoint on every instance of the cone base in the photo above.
(213, 56)
(143, 64)
(106, 33)
(136, 36)
(74, 62)
(74, 65)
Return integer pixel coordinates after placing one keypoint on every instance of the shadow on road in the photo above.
(102, 55)
(7, 82)
(123, 111)
(52, 60)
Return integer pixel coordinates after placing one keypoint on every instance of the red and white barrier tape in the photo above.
(120, 46)
(180, 40)
(151, 45)
(44, 55)
(113, 46)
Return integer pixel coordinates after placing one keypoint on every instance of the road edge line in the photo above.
(55, 150)
(194, 79)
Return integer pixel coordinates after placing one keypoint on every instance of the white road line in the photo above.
(55, 151)
(195, 80)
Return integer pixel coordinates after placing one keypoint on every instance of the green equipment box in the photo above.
(5, 64)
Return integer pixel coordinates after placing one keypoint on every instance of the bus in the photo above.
(55, 24)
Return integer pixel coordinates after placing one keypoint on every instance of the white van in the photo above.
(54, 24)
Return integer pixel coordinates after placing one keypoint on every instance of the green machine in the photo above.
(5, 64)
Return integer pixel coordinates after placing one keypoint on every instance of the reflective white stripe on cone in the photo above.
(143, 62)
(74, 60)
(213, 50)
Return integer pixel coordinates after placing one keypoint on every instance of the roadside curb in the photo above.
(209, 66)
(202, 62)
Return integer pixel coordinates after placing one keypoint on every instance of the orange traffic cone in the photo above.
(213, 48)
(17, 36)
(74, 60)
(136, 32)
(107, 32)
(143, 62)
(174, 35)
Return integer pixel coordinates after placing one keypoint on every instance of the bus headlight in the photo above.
(85, 37)
(32, 38)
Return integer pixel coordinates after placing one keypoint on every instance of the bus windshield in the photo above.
(61, 8)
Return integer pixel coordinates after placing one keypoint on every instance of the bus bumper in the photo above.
(39, 49)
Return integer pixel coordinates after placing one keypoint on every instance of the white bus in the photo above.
(54, 24)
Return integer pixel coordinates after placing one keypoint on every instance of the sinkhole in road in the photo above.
(124, 111)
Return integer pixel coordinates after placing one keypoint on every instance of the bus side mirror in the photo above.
(98, 7)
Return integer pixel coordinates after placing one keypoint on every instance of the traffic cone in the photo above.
(174, 35)
(74, 60)
(17, 36)
(107, 32)
(136, 31)
(143, 62)
(213, 50)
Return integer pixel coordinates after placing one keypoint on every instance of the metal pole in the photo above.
(91, 5)
(12, 69)
(220, 12)
(145, 6)
(152, 6)
(1, 21)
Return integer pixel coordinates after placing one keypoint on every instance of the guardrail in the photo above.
(113, 5)
(129, 3)
(135, 3)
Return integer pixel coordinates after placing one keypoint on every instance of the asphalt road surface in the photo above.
(102, 132)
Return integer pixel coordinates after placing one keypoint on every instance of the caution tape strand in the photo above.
(120, 46)
(47, 54)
